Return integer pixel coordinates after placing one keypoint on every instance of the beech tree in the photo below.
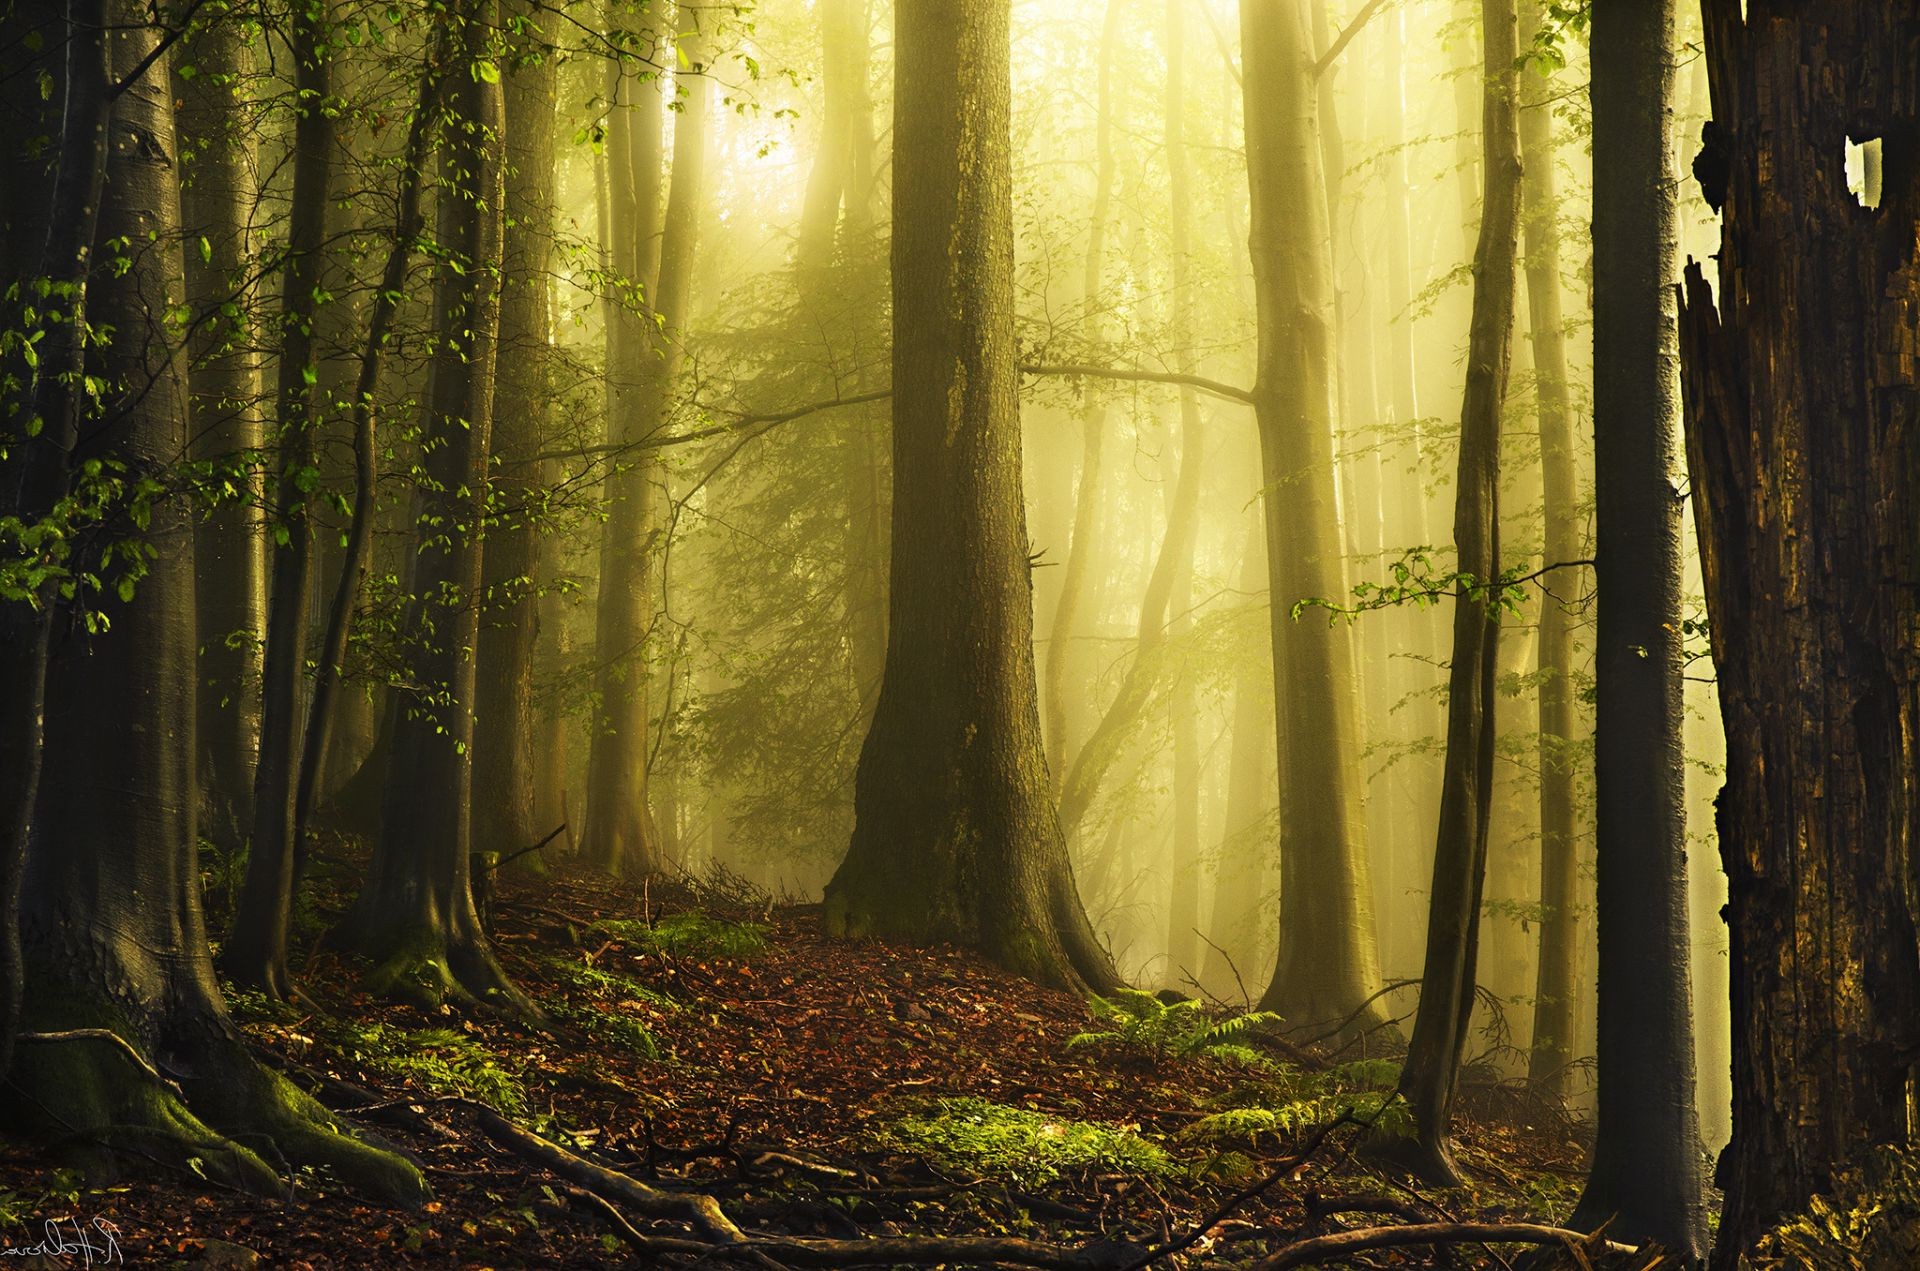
(1800, 426)
(955, 835)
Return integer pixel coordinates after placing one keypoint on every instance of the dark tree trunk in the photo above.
(415, 916)
(619, 834)
(1803, 442)
(255, 952)
(111, 918)
(1553, 998)
(1329, 962)
(1447, 984)
(216, 203)
(505, 721)
(955, 834)
(46, 237)
(1645, 1178)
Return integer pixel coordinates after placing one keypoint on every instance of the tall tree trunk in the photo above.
(217, 201)
(955, 834)
(505, 721)
(1801, 441)
(1447, 984)
(619, 835)
(415, 917)
(1078, 586)
(111, 918)
(45, 242)
(1329, 962)
(1553, 996)
(254, 955)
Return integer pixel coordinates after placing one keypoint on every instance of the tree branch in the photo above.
(1344, 1244)
(1345, 37)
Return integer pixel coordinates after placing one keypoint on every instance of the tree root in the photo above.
(1345, 1244)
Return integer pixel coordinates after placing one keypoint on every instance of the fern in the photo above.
(691, 934)
(1140, 1023)
(437, 1060)
(1022, 1144)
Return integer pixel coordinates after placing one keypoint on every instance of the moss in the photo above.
(438, 1061)
(691, 934)
(1022, 1144)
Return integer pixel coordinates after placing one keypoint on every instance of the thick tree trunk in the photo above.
(415, 917)
(111, 917)
(1553, 996)
(216, 203)
(1329, 961)
(955, 834)
(1447, 985)
(1801, 441)
(1078, 583)
(47, 239)
(504, 757)
(255, 953)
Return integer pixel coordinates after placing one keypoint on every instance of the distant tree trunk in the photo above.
(505, 722)
(48, 239)
(415, 916)
(224, 378)
(1645, 1177)
(1553, 997)
(955, 834)
(254, 955)
(111, 919)
(1802, 442)
(619, 835)
(1077, 583)
(1328, 962)
(1447, 984)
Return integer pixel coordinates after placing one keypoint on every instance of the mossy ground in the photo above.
(944, 1087)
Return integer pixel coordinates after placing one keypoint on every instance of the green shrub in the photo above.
(1292, 1101)
(437, 1060)
(1140, 1024)
(1021, 1144)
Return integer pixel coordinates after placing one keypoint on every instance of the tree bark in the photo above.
(1801, 426)
(217, 202)
(1431, 1072)
(1551, 1053)
(955, 834)
(111, 919)
(415, 918)
(1328, 962)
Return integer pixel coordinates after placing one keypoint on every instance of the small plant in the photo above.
(1871, 1218)
(601, 982)
(437, 1060)
(691, 934)
(1293, 1101)
(1141, 1024)
(1022, 1144)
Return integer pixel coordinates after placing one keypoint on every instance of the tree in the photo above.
(1801, 425)
(1553, 1000)
(955, 834)
(415, 916)
(1644, 1180)
(217, 199)
(1431, 1073)
(1328, 962)
(132, 1047)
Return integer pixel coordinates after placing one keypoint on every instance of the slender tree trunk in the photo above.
(224, 378)
(619, 835)
(955, 835)
(1431, 1072)
(254, 955)
(505, 722)
(415, 917)
(1553, 996)
(1801, 444)
(1328, 963)
(45, 241)
(1078, 586)
(111, 917)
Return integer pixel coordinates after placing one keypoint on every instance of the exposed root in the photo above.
(1344, 1244)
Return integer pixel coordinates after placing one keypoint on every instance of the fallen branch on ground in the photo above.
(1344, 1244)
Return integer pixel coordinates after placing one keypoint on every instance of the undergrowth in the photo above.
(1139, 1024)
(438, 1061)
(1870, 1219)
(690, 934)
(1021, 1144)
(1289, 1100)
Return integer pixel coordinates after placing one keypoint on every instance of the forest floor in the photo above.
(705, 1040)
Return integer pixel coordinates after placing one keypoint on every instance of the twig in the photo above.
(1319, 1249)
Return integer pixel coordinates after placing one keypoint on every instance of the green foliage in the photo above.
(611, 1027)
(691, 934)
(1870, 1219)
(1292, 1101)
(30, 1209)
(601, 982)
(1140, 1024)
(1022, 1144)
(437, 1060)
